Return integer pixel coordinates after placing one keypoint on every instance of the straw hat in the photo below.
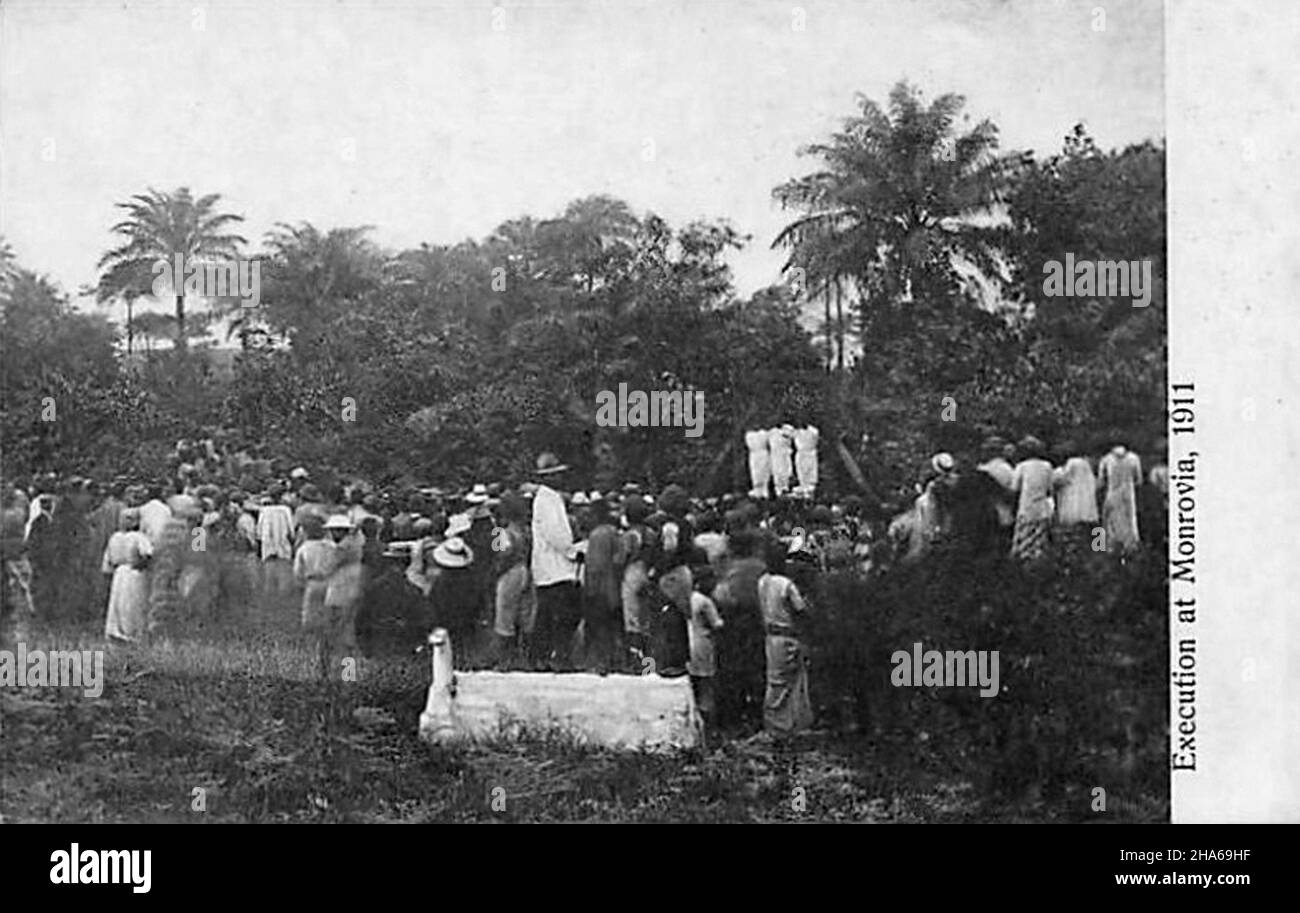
(548, 464)
(453, 553)
(338, 521)
(478, 494)
(457, 524)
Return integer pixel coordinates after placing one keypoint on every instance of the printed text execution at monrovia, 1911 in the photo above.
(1182, 576)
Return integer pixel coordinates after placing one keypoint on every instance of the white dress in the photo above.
(760, 463)
(128, 597)
(780, 442)
(1076, 493)
(1120, 472)
(805, 460)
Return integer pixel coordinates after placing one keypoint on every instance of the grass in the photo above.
(232, 725)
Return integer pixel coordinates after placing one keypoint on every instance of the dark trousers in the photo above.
(602, 621)
(671, 641)
(559, 610)
(741, 668)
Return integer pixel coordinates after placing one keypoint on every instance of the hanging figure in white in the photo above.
(760, 463)
(805, 460)
(781, 442)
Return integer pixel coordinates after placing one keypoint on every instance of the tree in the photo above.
(58, 371)
(591, 243)
(1096, 359)
(1096, 206)
(159, 227)
(312, 277)
(902, 199)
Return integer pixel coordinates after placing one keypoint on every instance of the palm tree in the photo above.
(310, 276)
(128, 282)
(901, 198)
(591, 241)
(159, 226)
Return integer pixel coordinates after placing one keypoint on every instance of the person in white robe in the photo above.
(127, 558)
(1119, 475)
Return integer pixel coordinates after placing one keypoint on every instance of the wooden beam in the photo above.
(854, 470)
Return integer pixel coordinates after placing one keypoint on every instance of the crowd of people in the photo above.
(539, 575)
(1014, 497)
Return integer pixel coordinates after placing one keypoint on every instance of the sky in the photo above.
(436, 121)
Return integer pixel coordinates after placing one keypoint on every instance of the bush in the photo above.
(1081, 646)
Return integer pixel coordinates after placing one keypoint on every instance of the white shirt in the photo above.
(275, 530)
(1001, 472)
(552, 560)
(154, 517)
(1033, 479)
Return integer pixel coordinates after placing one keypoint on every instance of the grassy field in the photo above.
(233, 721)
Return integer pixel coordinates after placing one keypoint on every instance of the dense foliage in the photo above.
(459, 362)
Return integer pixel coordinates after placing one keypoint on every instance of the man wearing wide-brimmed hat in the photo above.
(479, 538)
(455, 596)
(554, 567)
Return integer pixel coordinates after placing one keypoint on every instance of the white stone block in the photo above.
(618, 711)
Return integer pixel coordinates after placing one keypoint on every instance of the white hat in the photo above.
(457, 524)
(943, 462)
(580, 497)
(548, 463)
(338, 521)
(477, 495)
(298, 473)
(595, 496)
(453, 553)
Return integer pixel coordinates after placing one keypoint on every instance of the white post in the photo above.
(437, 722)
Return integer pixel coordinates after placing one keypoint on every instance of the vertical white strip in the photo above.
(1234, 314)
